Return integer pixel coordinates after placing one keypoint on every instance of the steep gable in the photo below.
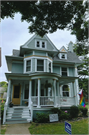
(44, 43)
(63, 49)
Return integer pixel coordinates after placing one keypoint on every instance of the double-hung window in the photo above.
(43, 44)
(38, 44)
(28, 65)
(64, 71)
(49, 66)
(65, 91)
(40, 65)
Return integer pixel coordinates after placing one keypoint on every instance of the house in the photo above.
(42, 77)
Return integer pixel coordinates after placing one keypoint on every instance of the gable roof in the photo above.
(63, 49)
(30, 44)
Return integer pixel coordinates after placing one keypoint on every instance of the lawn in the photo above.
(78, 127)
(2, 131)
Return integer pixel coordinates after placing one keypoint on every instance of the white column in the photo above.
(58, 88)
(54, 85)
(30, 91)
(8, 91)
(38, 93)
(77, 86)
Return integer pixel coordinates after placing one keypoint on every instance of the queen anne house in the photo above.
(42, 77)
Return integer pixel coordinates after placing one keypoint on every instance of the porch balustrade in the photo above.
(62, 101)
(50, 101)
(46, 101)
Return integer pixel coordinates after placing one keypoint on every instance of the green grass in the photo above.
(78, 127)
(2, 131)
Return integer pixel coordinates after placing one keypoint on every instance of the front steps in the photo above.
(18, 115)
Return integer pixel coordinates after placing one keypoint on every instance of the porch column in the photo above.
(58, 88)
(8, 91)
(54, 84)
(38, 93)
(30, 91)
(77, 86)
(75, 93)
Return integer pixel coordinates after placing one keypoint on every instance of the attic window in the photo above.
(63, 56)
(43, 44)
(38, 44)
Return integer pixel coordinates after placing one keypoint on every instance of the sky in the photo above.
(14, 33)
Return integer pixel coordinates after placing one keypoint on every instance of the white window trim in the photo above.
(36, 65)
(60, 56)
(40, 41)
(25, 65)
(67, 70)
(62, 90)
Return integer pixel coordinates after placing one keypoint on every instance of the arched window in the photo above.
(65, 90)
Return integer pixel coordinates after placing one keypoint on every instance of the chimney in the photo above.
(70, 46)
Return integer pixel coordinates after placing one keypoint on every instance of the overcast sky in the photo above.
(14, 33)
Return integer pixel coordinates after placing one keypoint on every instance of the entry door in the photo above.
(16, 94)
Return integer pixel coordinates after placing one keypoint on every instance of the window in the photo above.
(49, 66)
(40, 65)
(43, 44)
(28, 65)
(63, 56)
(26, 92)
(65, 90)
(38, 44)
(64, 71)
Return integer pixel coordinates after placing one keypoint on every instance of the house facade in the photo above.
(41, 77)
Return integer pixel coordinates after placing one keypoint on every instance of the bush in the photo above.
(86, 103)
(56, 110)
(42, 117)
(74, 110)
(82, 109)
(64, 116)
(2, 109)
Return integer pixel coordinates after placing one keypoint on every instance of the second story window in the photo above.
(28, 65)
(40, 65)
(38, 44)
(49, 66)
(64, 71)
(63, 56)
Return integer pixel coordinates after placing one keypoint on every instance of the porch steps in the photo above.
(18, 115)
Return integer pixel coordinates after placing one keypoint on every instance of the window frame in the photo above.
(65, 91)
(37, 65)
(64, 71)
(40, 44)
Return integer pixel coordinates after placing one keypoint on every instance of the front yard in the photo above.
(78, 127)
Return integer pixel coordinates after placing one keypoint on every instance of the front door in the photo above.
(16, 94)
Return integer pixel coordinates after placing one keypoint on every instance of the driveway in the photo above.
(18, 129)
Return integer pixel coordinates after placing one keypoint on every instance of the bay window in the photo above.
(28, 65)
(40, 65)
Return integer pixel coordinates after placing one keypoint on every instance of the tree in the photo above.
(4, 85)
(48, 16)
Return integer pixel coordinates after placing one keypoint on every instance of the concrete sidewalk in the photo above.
(13, 129)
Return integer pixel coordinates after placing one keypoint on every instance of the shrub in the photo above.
(64, 116)
(74, 110)
(56, 110)
(82, 109)
(2, 109)
(42, 117)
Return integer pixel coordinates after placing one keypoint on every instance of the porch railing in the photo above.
(62, 101)
(46, 101)
(34, 100)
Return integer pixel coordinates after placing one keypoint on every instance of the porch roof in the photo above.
(36, 75)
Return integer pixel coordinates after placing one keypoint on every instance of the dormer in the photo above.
(63, 53)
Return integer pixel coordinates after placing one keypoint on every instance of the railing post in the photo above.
(54, 84)
(31, 111)
(30, 91)
(38, 93)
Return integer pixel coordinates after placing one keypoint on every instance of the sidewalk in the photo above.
(13, 129)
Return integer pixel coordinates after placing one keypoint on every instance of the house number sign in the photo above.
(53, 117)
